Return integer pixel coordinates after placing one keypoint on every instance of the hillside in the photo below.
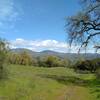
(71, 56)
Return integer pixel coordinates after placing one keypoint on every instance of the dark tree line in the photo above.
(87, 65)
(53, 61)
(24, 58)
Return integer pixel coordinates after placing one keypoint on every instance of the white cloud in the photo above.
(8, 12)
(39, 45)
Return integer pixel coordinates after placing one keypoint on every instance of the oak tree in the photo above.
(84, 27)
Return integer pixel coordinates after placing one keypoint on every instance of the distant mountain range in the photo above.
(70, 56)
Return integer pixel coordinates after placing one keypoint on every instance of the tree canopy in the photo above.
(3, 50)
(84, 27)
(3, 54)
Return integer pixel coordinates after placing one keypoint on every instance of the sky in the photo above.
(37, 24)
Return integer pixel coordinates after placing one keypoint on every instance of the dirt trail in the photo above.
(74, 93)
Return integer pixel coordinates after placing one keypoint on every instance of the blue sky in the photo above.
(26, 23)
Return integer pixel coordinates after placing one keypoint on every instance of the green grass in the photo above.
(34, 83)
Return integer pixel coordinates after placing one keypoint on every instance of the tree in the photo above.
(25, 58)
(51, 61)
(22, 58)
(3, 55)
(84, 27)
(88, 65)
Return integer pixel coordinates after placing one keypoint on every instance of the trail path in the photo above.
(74, 93)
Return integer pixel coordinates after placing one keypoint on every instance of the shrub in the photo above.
(52, 61)
(88, 65)
(3, 56)
(22, 58)
(98, 73)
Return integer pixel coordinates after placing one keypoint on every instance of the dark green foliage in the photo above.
(98, 73)
(88, 65)
(53, 61)
(3, 54)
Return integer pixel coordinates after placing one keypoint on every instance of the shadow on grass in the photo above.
(65, 79)
(92, 84)
(73, 80)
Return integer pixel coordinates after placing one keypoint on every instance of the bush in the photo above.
(88, 65)
(3, 55)
(98, 73)
(52, 61)
(22, 58)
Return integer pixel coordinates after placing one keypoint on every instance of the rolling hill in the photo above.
(70, 56)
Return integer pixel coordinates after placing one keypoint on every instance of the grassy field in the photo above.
(33, 83)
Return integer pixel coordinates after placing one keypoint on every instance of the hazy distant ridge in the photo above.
(71, 56)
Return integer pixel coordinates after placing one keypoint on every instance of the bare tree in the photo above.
(85, 25)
